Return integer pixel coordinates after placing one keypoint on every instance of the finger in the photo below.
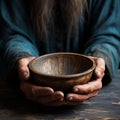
(79, 98)
(35, 91)
(23, 70)
(27, 90)
(42, 95)
(24, 73)
(32, 92)
(100, 68)
(52, 100)
(89, 87)
(41, 91)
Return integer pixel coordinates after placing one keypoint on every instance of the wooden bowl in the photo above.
(61, 71)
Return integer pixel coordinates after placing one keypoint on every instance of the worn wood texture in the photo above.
(106, 106)
(61, 71)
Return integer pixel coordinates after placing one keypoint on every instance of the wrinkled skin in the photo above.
(47, 96)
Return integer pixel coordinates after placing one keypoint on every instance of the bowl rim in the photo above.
(63, 76)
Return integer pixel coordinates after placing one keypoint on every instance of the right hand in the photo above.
(43, 95)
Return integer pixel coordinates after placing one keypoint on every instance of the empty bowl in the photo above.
(61, 70)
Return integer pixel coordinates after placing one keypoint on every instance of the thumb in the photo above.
(23, 70)
(100, 68)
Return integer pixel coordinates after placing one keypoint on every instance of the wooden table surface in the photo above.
(106, 106)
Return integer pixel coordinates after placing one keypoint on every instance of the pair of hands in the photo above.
(47, 96)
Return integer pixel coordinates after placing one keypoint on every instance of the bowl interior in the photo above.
(58, 64)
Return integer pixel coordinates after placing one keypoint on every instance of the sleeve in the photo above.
(16, 36)
(104, 32)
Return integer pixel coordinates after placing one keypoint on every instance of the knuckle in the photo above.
(101, 60)
(22, 68)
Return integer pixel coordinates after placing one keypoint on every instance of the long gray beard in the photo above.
(44, 13)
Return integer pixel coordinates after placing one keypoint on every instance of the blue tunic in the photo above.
(98, 35)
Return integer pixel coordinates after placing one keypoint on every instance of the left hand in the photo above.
(84, 92)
